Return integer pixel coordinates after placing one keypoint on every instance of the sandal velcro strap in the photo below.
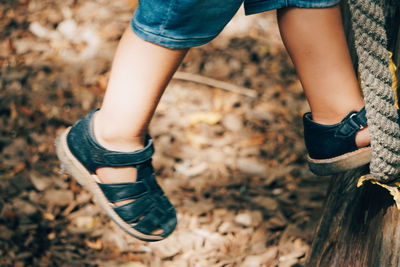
(108, 158)
(92, 155)
(122, 191)
(132, 211)
(352, 123)
(115, 158)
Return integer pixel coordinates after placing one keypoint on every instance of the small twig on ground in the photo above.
(185, 76)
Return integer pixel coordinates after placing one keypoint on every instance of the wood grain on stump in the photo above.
(359, 226)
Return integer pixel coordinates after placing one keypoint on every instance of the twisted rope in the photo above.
(368, 23)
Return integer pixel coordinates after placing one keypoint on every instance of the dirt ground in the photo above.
(232, 163)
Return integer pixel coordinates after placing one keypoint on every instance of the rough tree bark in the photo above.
(360, 227)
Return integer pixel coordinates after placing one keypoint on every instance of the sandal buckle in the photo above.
(354, 121)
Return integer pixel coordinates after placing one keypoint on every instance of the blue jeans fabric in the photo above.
(186, 23)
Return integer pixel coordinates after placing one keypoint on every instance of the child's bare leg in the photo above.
(317, 45)
(140, 73)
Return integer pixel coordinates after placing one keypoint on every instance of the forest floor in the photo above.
(232, 164)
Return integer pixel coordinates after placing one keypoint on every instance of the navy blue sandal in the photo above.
(332, 148)
(149, 216)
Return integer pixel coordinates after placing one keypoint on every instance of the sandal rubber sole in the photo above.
(85, 179)
(341, 163)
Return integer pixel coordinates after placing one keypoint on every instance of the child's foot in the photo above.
(136, 204)
(338, 147)
(362, 137)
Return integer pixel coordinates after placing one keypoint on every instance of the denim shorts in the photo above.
(186, 23)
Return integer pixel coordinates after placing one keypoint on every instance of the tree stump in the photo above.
(360, 227)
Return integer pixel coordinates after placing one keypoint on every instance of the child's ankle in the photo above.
(330, 116)
(327, 119)
(115, 138)
(120, 143)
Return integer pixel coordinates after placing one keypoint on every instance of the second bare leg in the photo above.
(316, 43)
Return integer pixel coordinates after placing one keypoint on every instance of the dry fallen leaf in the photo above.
(97, 244)
(207, 117)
